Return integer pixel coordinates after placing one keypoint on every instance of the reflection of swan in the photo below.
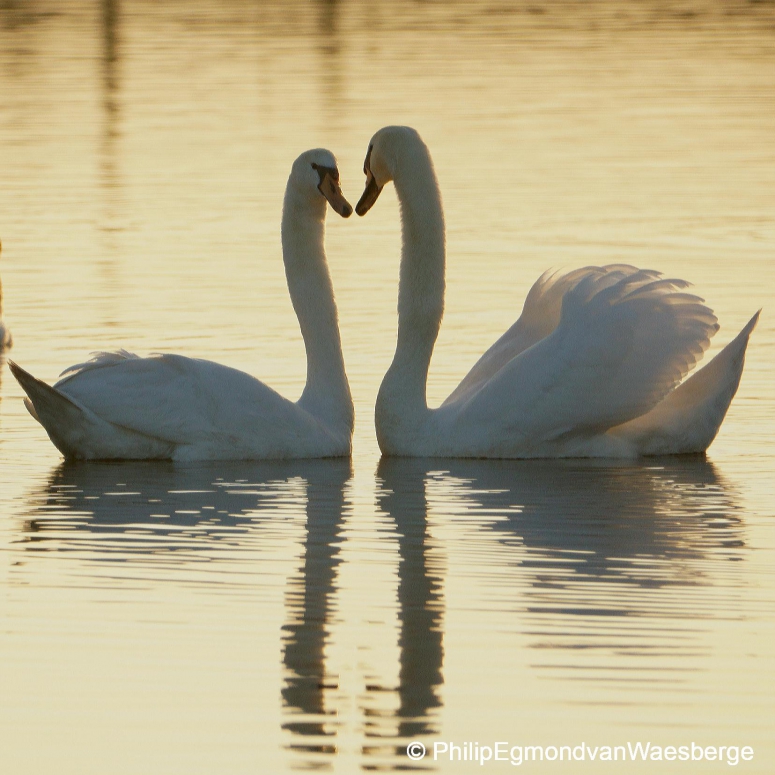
(402, 497)
(589, 370)
(151, 512)
(184, 518)
(5, 335)
(310, 595)
(599, 516)
(597, 556)
(168, 406)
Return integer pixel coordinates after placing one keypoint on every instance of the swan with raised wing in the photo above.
(592, 368)
(5, 335)
(118, 405)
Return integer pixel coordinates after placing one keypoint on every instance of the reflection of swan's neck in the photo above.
(327, 393)
(401, 402)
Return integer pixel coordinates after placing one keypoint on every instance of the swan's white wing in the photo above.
(182, 400)
(540, 316)
(621, 345)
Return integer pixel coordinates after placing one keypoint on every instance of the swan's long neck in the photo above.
(327, 392)
(401, 403)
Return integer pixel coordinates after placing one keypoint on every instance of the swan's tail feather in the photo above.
(688, 418)
(77, 432)
(52, 409)
(42, 398)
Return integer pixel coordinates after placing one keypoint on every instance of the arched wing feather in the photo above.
(625, 339)
(540, 316)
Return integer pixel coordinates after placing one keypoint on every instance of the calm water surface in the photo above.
(266, 617)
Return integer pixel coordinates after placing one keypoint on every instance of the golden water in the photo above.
(266, 617)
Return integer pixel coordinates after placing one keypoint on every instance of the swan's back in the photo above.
(195, 404)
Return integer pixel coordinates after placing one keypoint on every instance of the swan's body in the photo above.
(592, 368)
(5, 335)
(118, 405)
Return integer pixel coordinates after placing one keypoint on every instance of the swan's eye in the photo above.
(322, 171)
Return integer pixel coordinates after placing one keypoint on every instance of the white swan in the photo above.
(5, 335)
(118, 405)
(591, 368)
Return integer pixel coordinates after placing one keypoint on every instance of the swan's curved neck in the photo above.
(401, 403)
(327, 392)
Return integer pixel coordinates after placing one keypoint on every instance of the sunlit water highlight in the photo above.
(304, 615)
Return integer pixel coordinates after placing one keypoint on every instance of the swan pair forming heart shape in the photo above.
(594, 366)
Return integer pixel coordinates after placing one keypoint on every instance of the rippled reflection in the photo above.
(309, 603)
(604, 557)
(154, 512)
(598, 518)
(600, 557)
(420, 598)
(310, 688)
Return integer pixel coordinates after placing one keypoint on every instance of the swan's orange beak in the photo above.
(372, 190)
(329, 187)
(331, 191)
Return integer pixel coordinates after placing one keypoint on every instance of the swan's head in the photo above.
(316, 172)
(389, 149)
